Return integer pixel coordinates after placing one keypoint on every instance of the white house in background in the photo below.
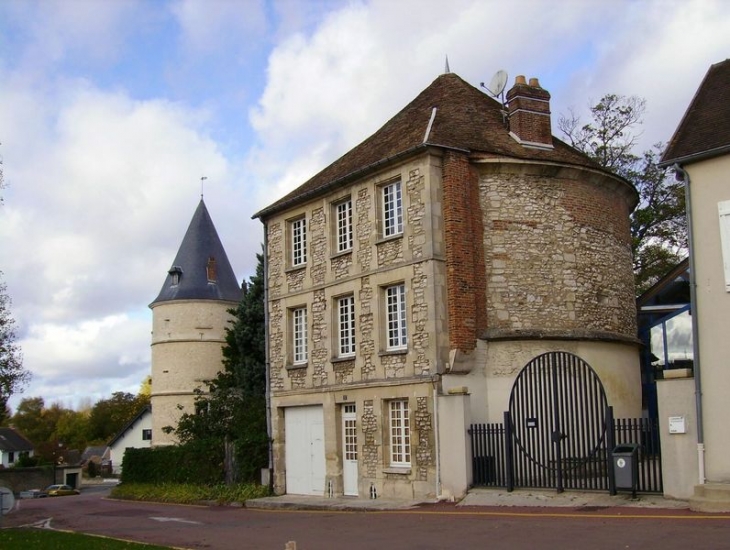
(12, 447)
(135, 435)
(699, 152)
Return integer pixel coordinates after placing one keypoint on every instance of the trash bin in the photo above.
(625, 460)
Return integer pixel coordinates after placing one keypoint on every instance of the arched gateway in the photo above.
(558, 417)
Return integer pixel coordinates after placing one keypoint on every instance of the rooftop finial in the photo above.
(202, 182)
(446, 67)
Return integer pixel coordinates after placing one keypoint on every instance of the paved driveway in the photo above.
(441, 526)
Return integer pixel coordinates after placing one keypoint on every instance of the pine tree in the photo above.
(233, 411)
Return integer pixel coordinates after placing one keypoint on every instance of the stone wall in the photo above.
(187, 341)
(558, 258)
(373, 263)
(374, 375)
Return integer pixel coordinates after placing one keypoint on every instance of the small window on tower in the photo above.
(210, 269)
(176, 274)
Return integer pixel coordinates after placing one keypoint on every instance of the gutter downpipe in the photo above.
(268, 360)
(682, 174)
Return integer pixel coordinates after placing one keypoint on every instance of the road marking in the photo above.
(40, 524)
(178, 520)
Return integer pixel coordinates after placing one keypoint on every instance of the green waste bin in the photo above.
(625, 460)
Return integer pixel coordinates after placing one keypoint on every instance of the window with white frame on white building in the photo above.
(400, 433)
(395, 304)
(298, 242)
(343, 212)
(346, 326)
(299, 335)
(392, 209)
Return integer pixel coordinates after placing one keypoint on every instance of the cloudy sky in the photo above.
(111, 111)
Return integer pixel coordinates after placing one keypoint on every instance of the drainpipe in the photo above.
(682, 175)
(268, 360)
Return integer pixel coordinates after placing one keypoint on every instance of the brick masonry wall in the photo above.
(465, 271)
(558, 258)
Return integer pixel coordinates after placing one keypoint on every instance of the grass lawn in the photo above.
(22, 539)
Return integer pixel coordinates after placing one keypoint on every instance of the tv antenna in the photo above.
(497, 84)
(496, 89)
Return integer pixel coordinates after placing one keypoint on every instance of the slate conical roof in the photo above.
(201, 270)
(466, 119)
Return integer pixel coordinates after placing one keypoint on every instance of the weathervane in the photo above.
(202, 182)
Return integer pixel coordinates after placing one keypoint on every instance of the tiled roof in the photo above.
(10, 440)
(705, 127)
(466, 119)
(200, 243)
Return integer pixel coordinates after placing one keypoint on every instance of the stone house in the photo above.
(189, 318)
(699, 151)
(412, 279)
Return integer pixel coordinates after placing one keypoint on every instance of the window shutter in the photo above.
(724, 210)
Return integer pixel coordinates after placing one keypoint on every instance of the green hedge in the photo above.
(189, 493)
(199, 462)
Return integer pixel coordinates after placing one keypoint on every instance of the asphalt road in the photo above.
(442, 526)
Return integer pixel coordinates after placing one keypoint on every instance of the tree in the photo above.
(30, 420)
(13, 377)
(109, 416)
(232, 414)
(658, 224)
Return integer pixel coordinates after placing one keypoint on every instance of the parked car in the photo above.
(60, 490)
(33, 493)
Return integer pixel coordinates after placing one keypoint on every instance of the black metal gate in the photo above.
(559, 433)
(557, 422)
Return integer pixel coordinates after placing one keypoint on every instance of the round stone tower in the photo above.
(189, 317)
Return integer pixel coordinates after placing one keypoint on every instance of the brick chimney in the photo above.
(529, 114)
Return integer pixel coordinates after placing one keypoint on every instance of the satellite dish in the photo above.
(7, 500)
(498, 82)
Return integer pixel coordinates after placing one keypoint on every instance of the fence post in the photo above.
(508, 452)
(610, 444)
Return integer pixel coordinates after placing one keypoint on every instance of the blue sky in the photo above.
(112, 110)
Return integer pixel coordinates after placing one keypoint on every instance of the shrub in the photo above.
(198, 462)
(189, 493)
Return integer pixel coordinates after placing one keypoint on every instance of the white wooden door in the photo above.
(349, 449)
(304, 447)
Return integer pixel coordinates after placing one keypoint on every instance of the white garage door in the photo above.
(304, 450)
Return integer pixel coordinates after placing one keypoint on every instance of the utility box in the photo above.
(625, 461)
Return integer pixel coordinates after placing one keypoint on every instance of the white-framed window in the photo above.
(298, 242)
(395, 310)
(299, 335)
(343, 215)
(346, 326)
(392, 209)
(400, 433)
